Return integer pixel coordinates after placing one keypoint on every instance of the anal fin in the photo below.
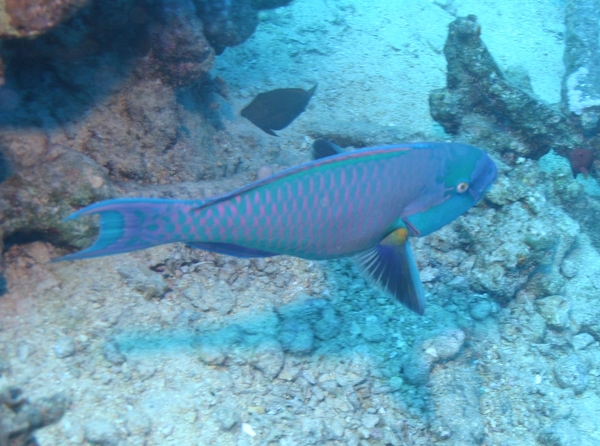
(231, 250)
(392, 267)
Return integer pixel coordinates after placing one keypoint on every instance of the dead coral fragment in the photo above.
(19, 417)
(476, 85)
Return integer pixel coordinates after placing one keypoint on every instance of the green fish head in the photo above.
(469, 174)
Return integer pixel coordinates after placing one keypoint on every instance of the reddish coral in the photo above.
(32, 17)
(581, 161)
(180, 54)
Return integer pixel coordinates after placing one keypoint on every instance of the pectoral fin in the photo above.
(392, 267)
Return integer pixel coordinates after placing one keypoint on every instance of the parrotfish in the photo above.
(363, 204)
(276, 109)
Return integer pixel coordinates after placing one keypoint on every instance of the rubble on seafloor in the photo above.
(307, 353)
(19, 417)
(174, 345)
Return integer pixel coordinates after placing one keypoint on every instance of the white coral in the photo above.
(578, 101)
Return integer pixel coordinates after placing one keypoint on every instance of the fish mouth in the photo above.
(484, 175)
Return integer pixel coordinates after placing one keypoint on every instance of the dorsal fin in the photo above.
(323, 148)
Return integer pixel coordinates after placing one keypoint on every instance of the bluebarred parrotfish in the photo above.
(363, 204)
(276, 109)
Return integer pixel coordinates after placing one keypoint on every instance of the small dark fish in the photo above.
(276, 109)
(581, 161)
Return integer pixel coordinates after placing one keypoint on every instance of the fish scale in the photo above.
(319, 205)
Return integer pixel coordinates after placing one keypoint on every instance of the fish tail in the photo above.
(129, 224)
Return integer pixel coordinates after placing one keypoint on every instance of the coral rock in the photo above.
(27, 18)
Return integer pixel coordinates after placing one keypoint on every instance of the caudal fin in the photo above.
(129, 224)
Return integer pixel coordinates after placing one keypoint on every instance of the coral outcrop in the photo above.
(19, 417)
(230, 22)
(184, 34)
(479, 99)
(581, 83)
(105, 96)
(29, 18)
(477, 86)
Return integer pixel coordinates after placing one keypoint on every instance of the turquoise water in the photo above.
(178, 346)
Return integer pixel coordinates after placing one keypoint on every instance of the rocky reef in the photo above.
(100, 96)
(542, 216)
(230, 22)
(477, 89)
(31, 18)
(226, 23)
(580, 85)
(480, 99)
(184, 346)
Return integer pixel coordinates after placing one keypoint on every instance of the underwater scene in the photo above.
(299, 222)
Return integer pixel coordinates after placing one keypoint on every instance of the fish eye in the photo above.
(462, 187)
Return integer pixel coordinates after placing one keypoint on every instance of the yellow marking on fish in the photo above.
(396, 237)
